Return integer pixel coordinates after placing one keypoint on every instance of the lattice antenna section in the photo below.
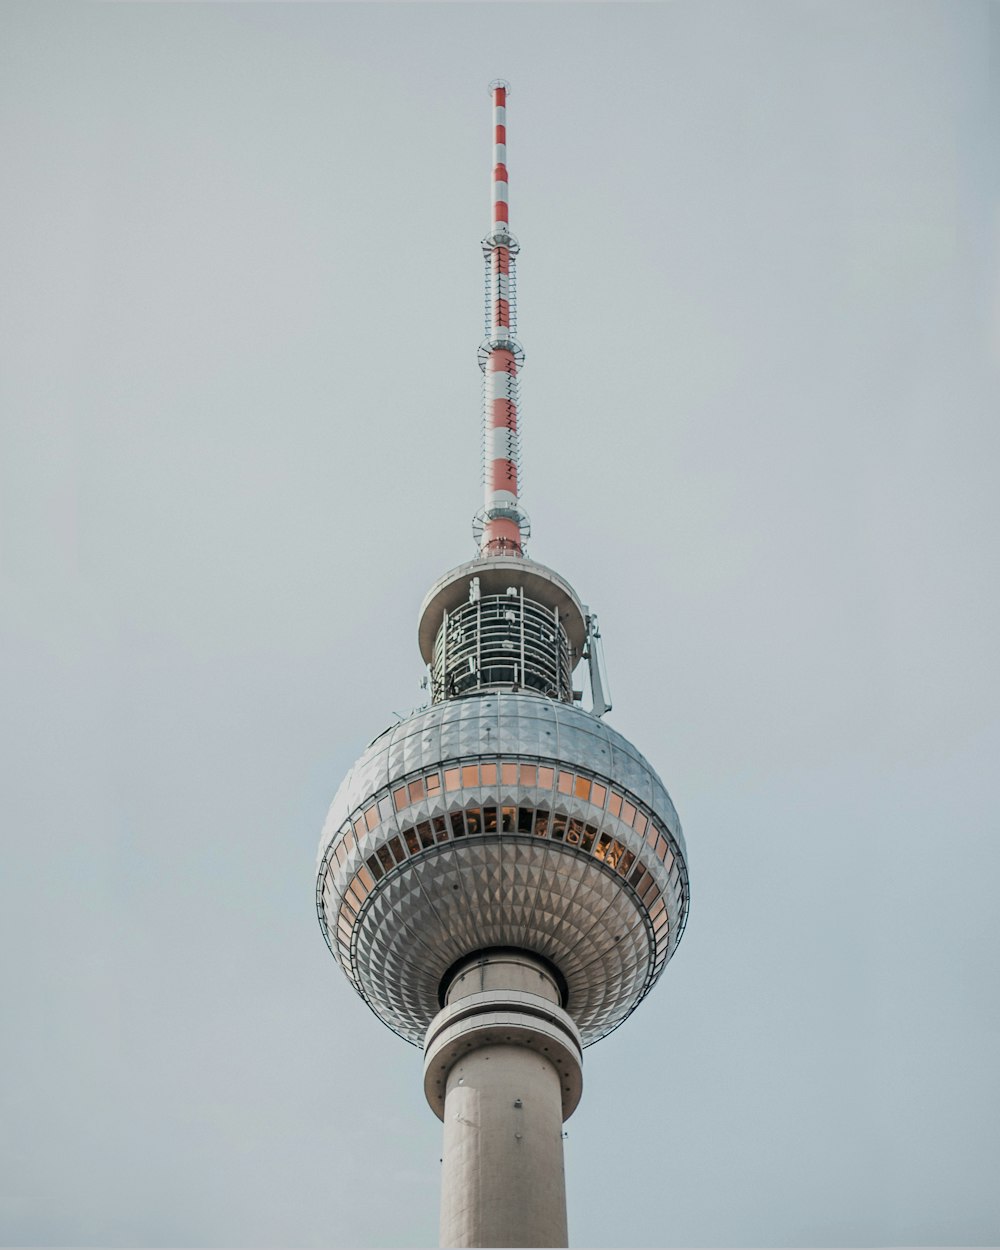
(501, 528)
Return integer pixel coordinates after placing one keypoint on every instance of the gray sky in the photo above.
(240, 302)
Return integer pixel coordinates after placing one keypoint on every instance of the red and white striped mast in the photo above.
(502, 526)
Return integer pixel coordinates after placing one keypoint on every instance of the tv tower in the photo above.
(502, 875)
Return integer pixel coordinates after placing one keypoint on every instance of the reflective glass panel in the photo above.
(371, 818)
(615, 803)
(625, 863)
(349, 841)
(574, 832)
(546, 776)
(558, 826)
(440, 829)
(433, 783)
(425, 833)
(524, 815)
(374, 867)
(341, 853)
(474, 820)
(541, 825)
(384, 857)
(488, 774)
(457, 825)
(396, 847)
(416, 789)
(508, 774)
(628, 813)
(598, 795)
(565, 783)
(589, 834)
(470, 775)
(359, 828)
(366, 877)
(529, 775)
(603, 844)
(400, 799)
(639, 824)
(509, 819)
(411, 840)
(489, 820)
(451, 778)
(582, 788)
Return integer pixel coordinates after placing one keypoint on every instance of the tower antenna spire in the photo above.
(501, 527)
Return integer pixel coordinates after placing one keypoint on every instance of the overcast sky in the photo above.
(240, 303)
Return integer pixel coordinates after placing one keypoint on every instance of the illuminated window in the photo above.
(602, 847)
(385, 859)
(542, 825)
(433, 783)
(615, 803)
(648, 891)
(628, 813)
(637, 875)
(474, 821)
(546, 776)
(558, 827)
(425, 834)
(574, 832)
(366, 877)
(589, 834)
(371, 818)
(640, 824)
(524, 815)
(529, 775)
(400, 799)
(661, 848)
(351, 902)
(457, 825)
(374, 867)
(396, 847)
(451, 778)
(416, 789)
(412, 841)
(565, 783)
(489, 820)
(652, 835)
(509, 819)
(614, 855)
(488, 772)
(508, 774)
(470, 775)
(625, 863)
(598, 795)
(582, 788)
(440, 829)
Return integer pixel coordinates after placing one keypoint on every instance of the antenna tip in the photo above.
(500, 83)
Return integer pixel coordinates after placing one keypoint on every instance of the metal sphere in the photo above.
(502, 820)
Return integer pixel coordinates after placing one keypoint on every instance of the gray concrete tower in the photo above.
(502, 876)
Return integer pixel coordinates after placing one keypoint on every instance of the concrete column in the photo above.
(503, 1070)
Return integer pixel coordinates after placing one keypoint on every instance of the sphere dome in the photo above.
(502, 820)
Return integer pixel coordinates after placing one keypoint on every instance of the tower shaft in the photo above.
(503, 1069)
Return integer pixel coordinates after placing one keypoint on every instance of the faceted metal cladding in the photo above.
(502, 820)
